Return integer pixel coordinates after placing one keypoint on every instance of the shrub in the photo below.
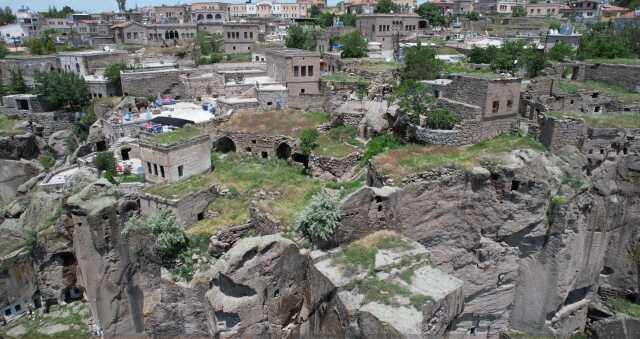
(319, 220)
(379, 145)
(441, 119)
(308, 140)
(354, 45)
(105, 161)
(169, 237)
(46, 160)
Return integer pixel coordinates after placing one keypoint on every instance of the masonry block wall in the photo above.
(272, 99)
(261, 146)
(29, 66)
(152, 83)
(171, 163)
(557, 133)
(187, 210)
(627, 76)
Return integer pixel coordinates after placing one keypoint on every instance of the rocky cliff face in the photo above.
(528, 236)
(18, 147)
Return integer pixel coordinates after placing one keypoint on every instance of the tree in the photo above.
(483, 55)
(420, 63)
(81, 128)
(169, 237)
(300, 37)
(432, 13)
(308, 140)
(603, 42)
(473, 16)
(354, 45)
(348, 19)
(3, 50)
(326, 19)
(561, 51)
(362, 89)
(42, 44)
(53, 12)
(314, 11)
(6, 16)
(17, 84)
(413, 98)
(518, 11)
(210, 43)
(62, 90)
(320, 219)
(534, 61)
(105, 161)
(122, 5)
(440, 118)
(112, 73)
(386, 6)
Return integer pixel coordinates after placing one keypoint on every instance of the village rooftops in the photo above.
(389, 15)
(177, 137)
(293, 52)
(92, 53)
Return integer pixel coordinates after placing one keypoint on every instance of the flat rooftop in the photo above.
(293, 52)
(92, 53)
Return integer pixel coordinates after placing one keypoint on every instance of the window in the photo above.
(162, 171)
(509, 104)
(310, 70)
(245, 35)
(180, 171)
(155, 169)
(18, 308)
(7, 312)
(128, 35)
(250, 35)
(135, 35)
(296, 71)
(303, 71)
(149, 167)
(496, 106)
(302, 91)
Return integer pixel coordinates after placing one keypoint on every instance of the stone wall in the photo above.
(153, 83)
(627, 76)
(187, 210)
(51, 122)
(307, 102)
(272, 99)
(200, 86)
(29, 65)
(436, 136)
(335, 167)
(262, 146)
(226, 104)
(557, 133)
(461, 109)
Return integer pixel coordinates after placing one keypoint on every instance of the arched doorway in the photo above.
(225, 145)
(283, 151)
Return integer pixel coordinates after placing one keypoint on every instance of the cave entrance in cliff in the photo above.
(283, 151)
(125, 153)
(101, 146)
(301, 158)
(71, 294)
(225, 145)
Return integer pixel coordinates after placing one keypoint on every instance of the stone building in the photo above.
(296, 69)
(260, 146)
(546, 8)
(209, 12)
(167, 34)
(86, 63)
(187, 208)
(29, 65)
(384, 28)
(239, 37)
(145, 83)
(175, 161)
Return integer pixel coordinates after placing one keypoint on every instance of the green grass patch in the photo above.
(130, 178)
(283, 122)
(377, 67)
(176, 136)
(347, 187)
(385, 292)
(182, 188)
(446, 50)
(338, 142)
(361, 254)
(8, 126)
(46, 160)
(380, 144)
(604, 120)
(417, 158)
(245, 176)
(240, 57)
(618, 92)
(74, 316)
(625, 306)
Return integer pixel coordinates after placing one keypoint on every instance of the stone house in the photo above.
(383, 28)
(239, 37)
(29, 65)
(188, 208)
(209, 12)
(154, 34)
(546, 8)
(173, 162)
(260, 146)
(85, 63)
(171, 14)
(296, 69)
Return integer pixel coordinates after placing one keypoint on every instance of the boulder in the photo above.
(257, 288)
(18, 147)
(14, 173)
(57, 142)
